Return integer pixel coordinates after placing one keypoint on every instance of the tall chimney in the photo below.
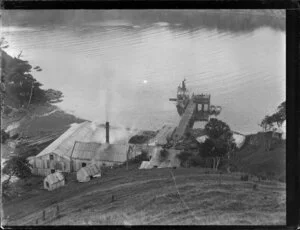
(107, 132)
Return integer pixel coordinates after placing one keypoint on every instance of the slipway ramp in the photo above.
(184, 122)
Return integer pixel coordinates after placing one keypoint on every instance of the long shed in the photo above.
(67, 154)
(85, 153)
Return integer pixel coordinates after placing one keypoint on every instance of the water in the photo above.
(126, 72)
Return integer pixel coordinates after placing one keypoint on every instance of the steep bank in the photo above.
(38, 128)
(254, 159)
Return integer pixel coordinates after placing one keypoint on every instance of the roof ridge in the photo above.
(53, 146)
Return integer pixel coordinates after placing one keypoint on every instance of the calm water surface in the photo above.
(126, 73)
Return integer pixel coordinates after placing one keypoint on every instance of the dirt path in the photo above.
(139, 191)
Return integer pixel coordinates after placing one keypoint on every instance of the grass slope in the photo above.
(254, 159)
(154, 196)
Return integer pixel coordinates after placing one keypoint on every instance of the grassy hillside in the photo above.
(156, 196)
(254, 159)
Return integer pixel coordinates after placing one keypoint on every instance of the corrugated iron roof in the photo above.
(85, 150)
(84, 132)
(63, 145)
(100, 152)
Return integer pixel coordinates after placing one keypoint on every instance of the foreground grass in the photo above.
(158, 196)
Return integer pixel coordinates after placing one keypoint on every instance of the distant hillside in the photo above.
(233, 20)
(254, 159)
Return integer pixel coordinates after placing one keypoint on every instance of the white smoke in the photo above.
(109, 84)
(119, 134)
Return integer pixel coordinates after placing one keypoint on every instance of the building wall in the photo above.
(40, 171)
(42, 165)
(77, 163)
(54, 185)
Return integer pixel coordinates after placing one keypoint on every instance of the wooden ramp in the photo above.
(184, 122)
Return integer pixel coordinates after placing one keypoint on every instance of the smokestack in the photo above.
(107, 132)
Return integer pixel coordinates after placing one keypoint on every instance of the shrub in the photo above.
(17, 166)
(4, 136)
(163, 154)
(244, 178)
(198, 161)
(15, 136)
(184, 157)
(255, 187)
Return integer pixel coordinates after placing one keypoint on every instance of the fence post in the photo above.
(43, 214)
(36, 221)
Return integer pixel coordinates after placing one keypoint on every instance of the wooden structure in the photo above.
(86, 153)
(191, 109)
(86, 173)
(53, 181)
(76, 147)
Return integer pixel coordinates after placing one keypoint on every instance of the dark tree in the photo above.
(278, 117)
(17, 166)
(19, 89)
(184, 157)
(220, 142)
(4, 136)
(216, 128)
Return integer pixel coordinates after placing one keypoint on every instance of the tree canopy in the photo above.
(17, 166)
(19, 89)
(220, 141)
(216, 128)
(278, 117)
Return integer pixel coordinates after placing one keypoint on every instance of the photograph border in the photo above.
(292, 73)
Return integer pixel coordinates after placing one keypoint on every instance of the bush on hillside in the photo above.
(184, 158)
(278, 117)
(220, 142)
(216, 128)
(21, 86)
(198, 161)
(244, 178)
(17, 166)
(4, 136)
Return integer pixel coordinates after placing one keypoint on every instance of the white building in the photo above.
(53, 181)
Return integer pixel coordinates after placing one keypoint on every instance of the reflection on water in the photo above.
(137, 67)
